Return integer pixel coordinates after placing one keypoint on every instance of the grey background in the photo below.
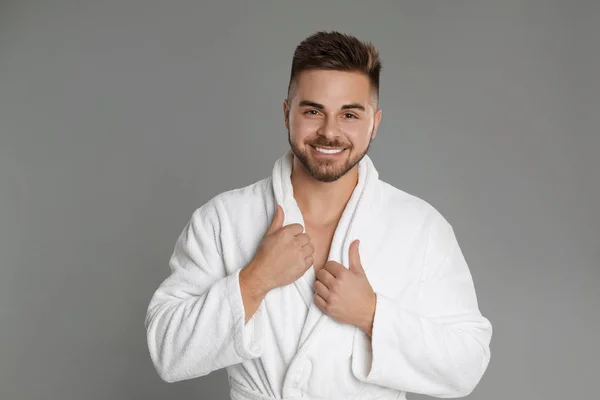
(119, 118)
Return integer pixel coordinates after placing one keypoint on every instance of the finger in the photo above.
(303, 239)
(307, 250)
(294, 229)
(321, 289)
(355, 263)
(320, 302)
(277, 222)
(336, 269)
(326, 278)
(308, 262)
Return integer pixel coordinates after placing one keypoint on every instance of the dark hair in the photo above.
(336, 51)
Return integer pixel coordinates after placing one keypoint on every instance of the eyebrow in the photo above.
(307, 103)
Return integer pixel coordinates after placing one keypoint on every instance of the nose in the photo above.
(328, 128)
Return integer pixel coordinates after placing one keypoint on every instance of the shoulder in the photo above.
(430, 228)
(408, 207)
(245, 198)
(228, 204)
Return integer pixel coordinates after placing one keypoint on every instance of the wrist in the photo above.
(367, 321)
(250, 280)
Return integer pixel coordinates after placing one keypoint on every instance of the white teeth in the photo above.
(327, 151)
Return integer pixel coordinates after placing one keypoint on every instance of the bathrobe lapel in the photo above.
(284, 196)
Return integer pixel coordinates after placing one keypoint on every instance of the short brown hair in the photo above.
(336, 51)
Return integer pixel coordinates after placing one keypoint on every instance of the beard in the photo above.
(326, 170)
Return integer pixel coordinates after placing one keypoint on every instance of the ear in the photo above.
(286, 113)
(376, 123)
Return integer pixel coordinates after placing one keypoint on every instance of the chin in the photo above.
(325, 169)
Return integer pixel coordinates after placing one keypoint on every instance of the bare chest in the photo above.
(321, 238)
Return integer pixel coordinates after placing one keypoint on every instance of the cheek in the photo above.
(358, 134)
(302, 127)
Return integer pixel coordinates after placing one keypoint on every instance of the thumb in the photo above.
(355, 263)
(277, 222)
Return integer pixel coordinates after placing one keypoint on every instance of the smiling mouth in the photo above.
(328, 151)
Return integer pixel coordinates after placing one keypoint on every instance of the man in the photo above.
(322, 281)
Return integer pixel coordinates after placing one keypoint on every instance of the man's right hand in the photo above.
(283, 256)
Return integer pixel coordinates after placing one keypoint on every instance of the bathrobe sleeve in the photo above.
(195, 319)
(439, 348)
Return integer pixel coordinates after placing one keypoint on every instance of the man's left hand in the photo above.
(345, 294)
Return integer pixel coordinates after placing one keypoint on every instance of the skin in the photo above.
(329, 109)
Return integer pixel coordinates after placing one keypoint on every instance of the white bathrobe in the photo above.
(428, 335)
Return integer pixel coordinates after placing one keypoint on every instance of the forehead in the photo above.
(333, 88)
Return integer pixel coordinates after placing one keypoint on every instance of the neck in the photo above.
(322, 203)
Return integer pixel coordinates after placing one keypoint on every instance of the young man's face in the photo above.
(334, 111)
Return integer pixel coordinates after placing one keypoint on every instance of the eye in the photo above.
(311, 112)
(348, 115)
